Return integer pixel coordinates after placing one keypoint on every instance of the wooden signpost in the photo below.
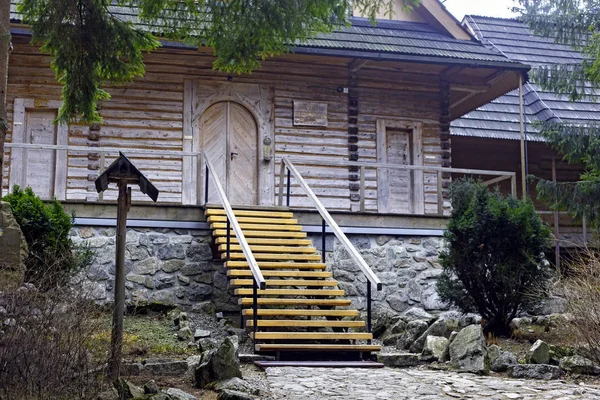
(123, 173)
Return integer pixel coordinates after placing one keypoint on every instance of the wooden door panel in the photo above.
(242, 183)
(399, 182)
(40, 165)
(213, 128)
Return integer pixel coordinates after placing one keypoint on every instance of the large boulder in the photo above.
(438, 328)
(178, 394)
(127, 390)
(539, 353)
(413, 331)
(434, 348)
(468, 352)
(14, 250)
(534, 371)
(218, 364)
(165, 367)
(500, 360)
(579, 365)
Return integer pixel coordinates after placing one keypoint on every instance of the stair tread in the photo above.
(285, 282)
(304, 313)
(266, 241)
(316, 346)
(275, 264)
(311, 335)
(269, 248)
(254, 220)
(274, 256)
(282, 274)
(248, 233)
(306, 323)
(250, 213)
(291, 292)
(248, 301)
(258, 227)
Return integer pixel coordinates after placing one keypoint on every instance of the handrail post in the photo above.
(322, 240)
(288, 187)
(228, 239)
(254, 309)
(281, 183)
(206, 186)
(369, 327)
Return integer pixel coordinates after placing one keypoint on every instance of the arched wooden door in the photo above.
(229, 138)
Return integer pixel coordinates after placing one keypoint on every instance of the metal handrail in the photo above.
(259, 280)
(371, 277)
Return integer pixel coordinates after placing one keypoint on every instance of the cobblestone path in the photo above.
(417, 384)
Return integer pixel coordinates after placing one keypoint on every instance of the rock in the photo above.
(151, 387)
(149, 266)
(127, 390)
(438, 328)
(185, 333)
(171, 252)
(520, 323)
(469, 319)
(200, 333)
(539, 353)
(160, 396)
(467, 350)
(534, 371)
(14, 250)
(131, 369)
(500, 360)
(237, 384)
(108, 395)
(203, 375)
(392, 340)
(414, 329)
(398, 360)
(225, 363)
(579, 365)
(558, 352)
(446, 353)
(234, 395)
(206, 344)
(166, 367)
(178, 394)
(416, 313)
(434, 348)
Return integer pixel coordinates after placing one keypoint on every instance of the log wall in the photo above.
(149, 114)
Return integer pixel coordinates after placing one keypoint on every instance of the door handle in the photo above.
(233, 154)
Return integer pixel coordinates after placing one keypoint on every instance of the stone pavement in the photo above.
(408, 384)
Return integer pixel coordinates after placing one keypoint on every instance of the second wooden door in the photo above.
(229, 139)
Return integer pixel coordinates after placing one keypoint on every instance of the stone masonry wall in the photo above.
(173, 266)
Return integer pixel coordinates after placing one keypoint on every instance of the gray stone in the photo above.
(149, 266)
(156, 238)
(162, 297)
(151, 387)
(200, 333)
(500, 360)
(164, 281)
(166, 367)
(136, 252)
(398, 360)
(14, 250)
(520, 323)
(178, 394)
(434, 348)
(199, 252)
(416, 313)
(170, 266)
(438, 328)
(539, 353)
(534, 371)
(468, 351)
(97, 273)
(579, 365)
(171, 251)
(414, 329)
(446, 353)
(127, 390)
(236, 384)
(225, 363)
(131, 369)
(228, 394)
(431, 300)
(185, 333)
(183, 280)
(199, 292)
(398, 302)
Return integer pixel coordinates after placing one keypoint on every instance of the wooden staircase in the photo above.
(299, 309)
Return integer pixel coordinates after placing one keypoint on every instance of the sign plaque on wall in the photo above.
(310, 113)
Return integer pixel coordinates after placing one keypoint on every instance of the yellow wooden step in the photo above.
(250, 213)
(269, 249)
(281, 274)
(255, 220)
(301, 313)
(311, 335)
(285, 282)
(316, 347)
(291, 292)
(262, 234)
(276, 265)
(274, 257)
(266, 241)
(306, 323)
(248, 301)
(258, 227)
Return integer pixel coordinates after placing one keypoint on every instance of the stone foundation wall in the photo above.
(173, 266)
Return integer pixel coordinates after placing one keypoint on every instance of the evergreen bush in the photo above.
(51, 259)
(494, 264)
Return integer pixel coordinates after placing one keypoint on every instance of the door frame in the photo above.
(19, 155)
(417, 205)
(258, 100)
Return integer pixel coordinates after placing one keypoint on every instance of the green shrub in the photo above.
(51, 260)
(494, 262)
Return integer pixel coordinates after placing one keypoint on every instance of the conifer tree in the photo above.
(575, 23)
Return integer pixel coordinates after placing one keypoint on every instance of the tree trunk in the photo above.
(4, 51)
